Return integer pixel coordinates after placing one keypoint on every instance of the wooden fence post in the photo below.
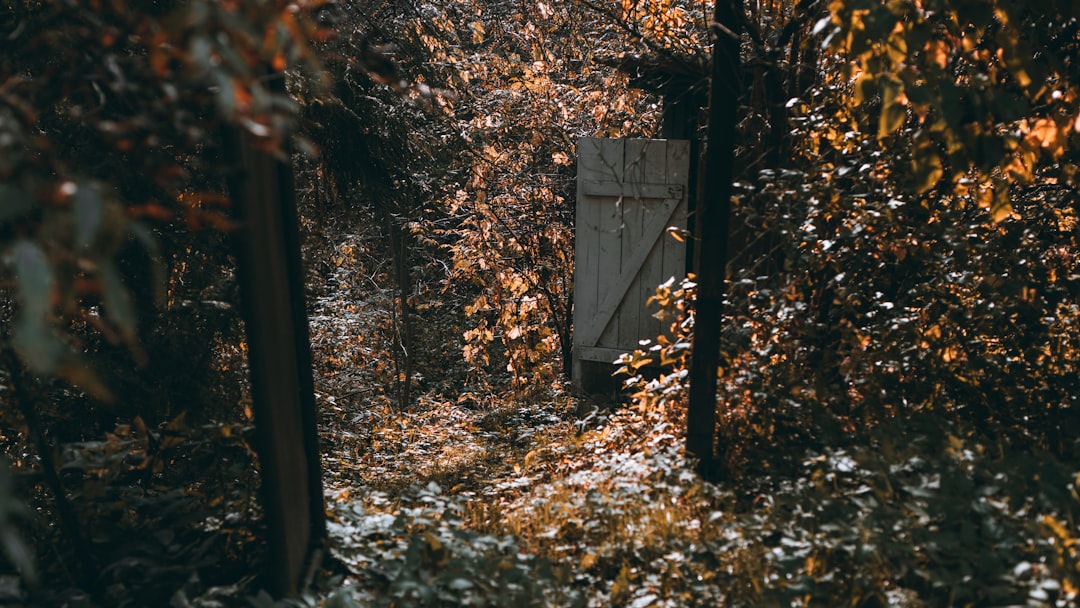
(279, 356)
(714, 216)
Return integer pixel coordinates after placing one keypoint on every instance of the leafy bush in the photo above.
(423, 556)
(918, 512)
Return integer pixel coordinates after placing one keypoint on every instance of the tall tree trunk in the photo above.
(714, 214)
(271, 279)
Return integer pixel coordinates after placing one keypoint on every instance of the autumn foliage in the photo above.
(898, 379)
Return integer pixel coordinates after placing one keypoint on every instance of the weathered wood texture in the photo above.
(629, 192)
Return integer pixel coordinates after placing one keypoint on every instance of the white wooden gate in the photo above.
(629, 192)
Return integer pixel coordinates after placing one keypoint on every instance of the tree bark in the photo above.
(714, 218)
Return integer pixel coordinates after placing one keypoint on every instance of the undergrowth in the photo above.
(487, 501)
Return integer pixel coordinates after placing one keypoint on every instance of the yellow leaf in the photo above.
(1059, 529)
(937, 53)
(892, 108)
(530, 459)
(478, 32)
(984, 196)
(896, 47)
(927, 168)
(863, 87)
(1044, 132)
(588, 561)
(1000, 207)
(679, 234)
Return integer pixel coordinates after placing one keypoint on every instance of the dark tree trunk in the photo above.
(279, 355)
(399, 246)
(714, 216)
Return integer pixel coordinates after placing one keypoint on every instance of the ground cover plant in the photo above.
(896, 394)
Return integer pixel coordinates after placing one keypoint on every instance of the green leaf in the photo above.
(341, 599)
(89, 213)
(33, 339)
(896, 47)
(117, 302)
(17, 551)
(34, 279)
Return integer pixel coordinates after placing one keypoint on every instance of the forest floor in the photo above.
(578, 511)
(473, 496)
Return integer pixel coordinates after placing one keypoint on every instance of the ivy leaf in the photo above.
(34, 338)
(896, 47)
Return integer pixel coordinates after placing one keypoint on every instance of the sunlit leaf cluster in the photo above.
(983, 91)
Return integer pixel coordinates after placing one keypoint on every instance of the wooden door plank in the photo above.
(634, 162)
(678, 161)
(590, 163)
(651, 270)
(612, 158)
(655, 157)
(598, 353)
(587, 245)
(674, 253)
(632, 190)
(613, 168)
(609, 239)
(678, 168)
(659, 165)
(622, 328)
(628, 311)
(586, 248)
(586, 260)
(616, 290)
(652, 154)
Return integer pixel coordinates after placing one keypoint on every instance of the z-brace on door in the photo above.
(629, 191)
